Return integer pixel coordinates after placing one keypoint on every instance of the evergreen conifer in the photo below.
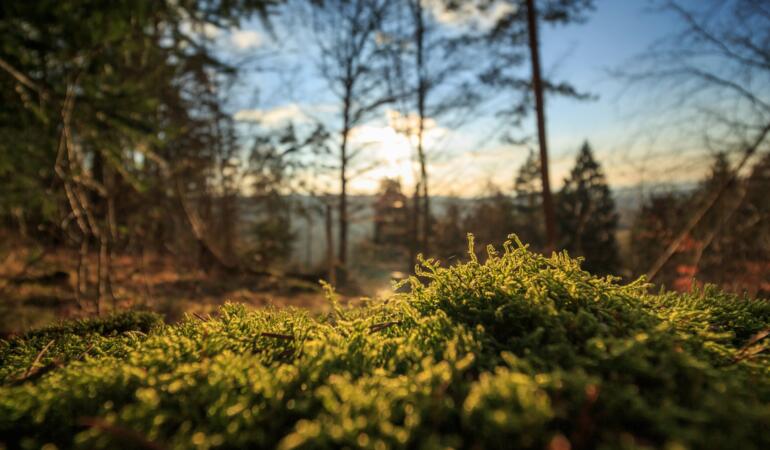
(586, 216)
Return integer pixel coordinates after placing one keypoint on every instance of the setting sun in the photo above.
(392, 148)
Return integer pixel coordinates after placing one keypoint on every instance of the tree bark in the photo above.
(422, 90)
(537, 86)
(342, 255)
(343, 207)
(415, 228)
(330, 246)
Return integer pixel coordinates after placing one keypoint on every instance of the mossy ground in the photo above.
(521, 351)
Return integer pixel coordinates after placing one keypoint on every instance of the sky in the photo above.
(280, 83)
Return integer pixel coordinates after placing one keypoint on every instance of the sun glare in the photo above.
(390, 152)
(392, 147)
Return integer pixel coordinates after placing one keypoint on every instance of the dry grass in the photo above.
(30, 299)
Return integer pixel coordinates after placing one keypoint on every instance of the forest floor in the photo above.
(38, 288)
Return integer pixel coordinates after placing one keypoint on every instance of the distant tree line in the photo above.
(585, 216)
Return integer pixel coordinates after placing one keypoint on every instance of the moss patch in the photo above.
(521, 351)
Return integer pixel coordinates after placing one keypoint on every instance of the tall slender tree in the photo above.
(513, 39)
(537, 87)
(431, 71)
(352, 64)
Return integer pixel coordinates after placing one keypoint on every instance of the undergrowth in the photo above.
(521, 351)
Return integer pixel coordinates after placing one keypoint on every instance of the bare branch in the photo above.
(707, 206)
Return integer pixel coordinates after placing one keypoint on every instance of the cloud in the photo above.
(407, 123)
(272, 117)
(391, 147)
(203, 29)
(245, 39)
(467, 15)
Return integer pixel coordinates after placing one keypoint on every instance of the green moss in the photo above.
(522, 351)
(57, 344)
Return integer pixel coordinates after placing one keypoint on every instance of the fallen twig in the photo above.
(286, 337)
(134, 437)
(750, 349)
(37, 359)
(381, 326)
(34, 373)
(286, 353)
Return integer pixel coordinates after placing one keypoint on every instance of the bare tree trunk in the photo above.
(101, 267)
(113, 237)
(200, 232)
(228, 219)
(426, 225)
(537, 86)
(415, 228)
(342, 255)
(330, 265)
(309, 239)
(81, 276)
(422, 92)
(67, 159)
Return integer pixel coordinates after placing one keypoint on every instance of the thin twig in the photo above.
(711, 236)
(37, 359)
(381, 326)
(23, 79)
(286, 337)
(34, 373)
(750, 349)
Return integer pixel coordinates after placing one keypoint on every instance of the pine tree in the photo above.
(585, 213)
(528, 201)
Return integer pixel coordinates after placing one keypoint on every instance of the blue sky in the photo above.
(617, 31)
(287, 87)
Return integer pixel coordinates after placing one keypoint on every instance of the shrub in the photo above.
(522, 351)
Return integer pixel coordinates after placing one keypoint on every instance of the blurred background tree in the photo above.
(585, 213)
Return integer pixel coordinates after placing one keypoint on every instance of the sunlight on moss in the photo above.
(519, 351)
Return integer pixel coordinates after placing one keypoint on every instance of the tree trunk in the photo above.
(422, 91)
(309, 242)
(330, 246)
(424, 242)
(342, 255)
(415, 228)
(207, 249)
(537, 86)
